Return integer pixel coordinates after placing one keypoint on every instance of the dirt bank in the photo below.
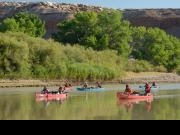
(142, 77)
(130, 77)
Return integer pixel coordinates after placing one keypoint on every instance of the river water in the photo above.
(21, 104)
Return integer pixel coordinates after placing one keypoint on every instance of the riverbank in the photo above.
(130, 77)
(158, 77)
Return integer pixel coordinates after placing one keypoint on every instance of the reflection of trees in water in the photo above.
(97, 106)
(143, 110)
(55, 101)
(161, 109)
(167, 109)
(24, 107)
(123, 114)
(134, 109)
(77, 107)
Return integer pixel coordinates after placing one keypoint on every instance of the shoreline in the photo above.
(130, 77)
(158, 77)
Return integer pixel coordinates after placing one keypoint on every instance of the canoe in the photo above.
(91, 89)
(122, 95)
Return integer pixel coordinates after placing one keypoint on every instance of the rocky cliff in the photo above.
(49, 12)
(167, 19)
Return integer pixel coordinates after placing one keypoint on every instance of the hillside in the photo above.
(167, 19)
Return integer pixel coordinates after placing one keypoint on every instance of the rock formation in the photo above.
(51, 13)
(166, 19)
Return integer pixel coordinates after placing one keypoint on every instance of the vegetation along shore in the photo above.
(90, 46)
(131, 78)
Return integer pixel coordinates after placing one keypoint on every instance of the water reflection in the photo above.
(48, 101)
(82, 106)
(130, 103)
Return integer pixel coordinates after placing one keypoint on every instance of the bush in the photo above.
(160, 69)
(100, 31)
(178, 70)
(83, 71)
(46, 59)
(24, 22)
(139, 66)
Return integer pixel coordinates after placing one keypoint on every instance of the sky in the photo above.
(118, 4)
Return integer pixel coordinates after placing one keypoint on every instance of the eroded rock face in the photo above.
(51, 13)
(167, 19)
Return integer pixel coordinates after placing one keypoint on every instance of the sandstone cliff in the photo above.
(50, 13)
(167, 19)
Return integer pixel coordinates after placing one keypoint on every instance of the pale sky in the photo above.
(123, 4)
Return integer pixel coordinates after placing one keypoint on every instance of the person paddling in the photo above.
(154, 84)
(98, 85)
(45, 90)
(128, 90)
(60, 90)
(147, 88)
(67, 84)
(85, 85)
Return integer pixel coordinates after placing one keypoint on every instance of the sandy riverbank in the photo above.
(130, 77)
(142, 77)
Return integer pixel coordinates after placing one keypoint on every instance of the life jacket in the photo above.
(148, 88)
(46, 91)
(127, 89)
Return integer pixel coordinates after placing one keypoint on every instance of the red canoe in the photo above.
(122, 95)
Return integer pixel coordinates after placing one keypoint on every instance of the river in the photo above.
(21, 104)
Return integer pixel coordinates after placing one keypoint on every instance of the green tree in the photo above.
(9, 24)
(116, 31)
(78, 30)
(24, 22)
(138, 46)
(100, 31)
(155, 46)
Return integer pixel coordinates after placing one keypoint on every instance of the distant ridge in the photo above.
(53, 13)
